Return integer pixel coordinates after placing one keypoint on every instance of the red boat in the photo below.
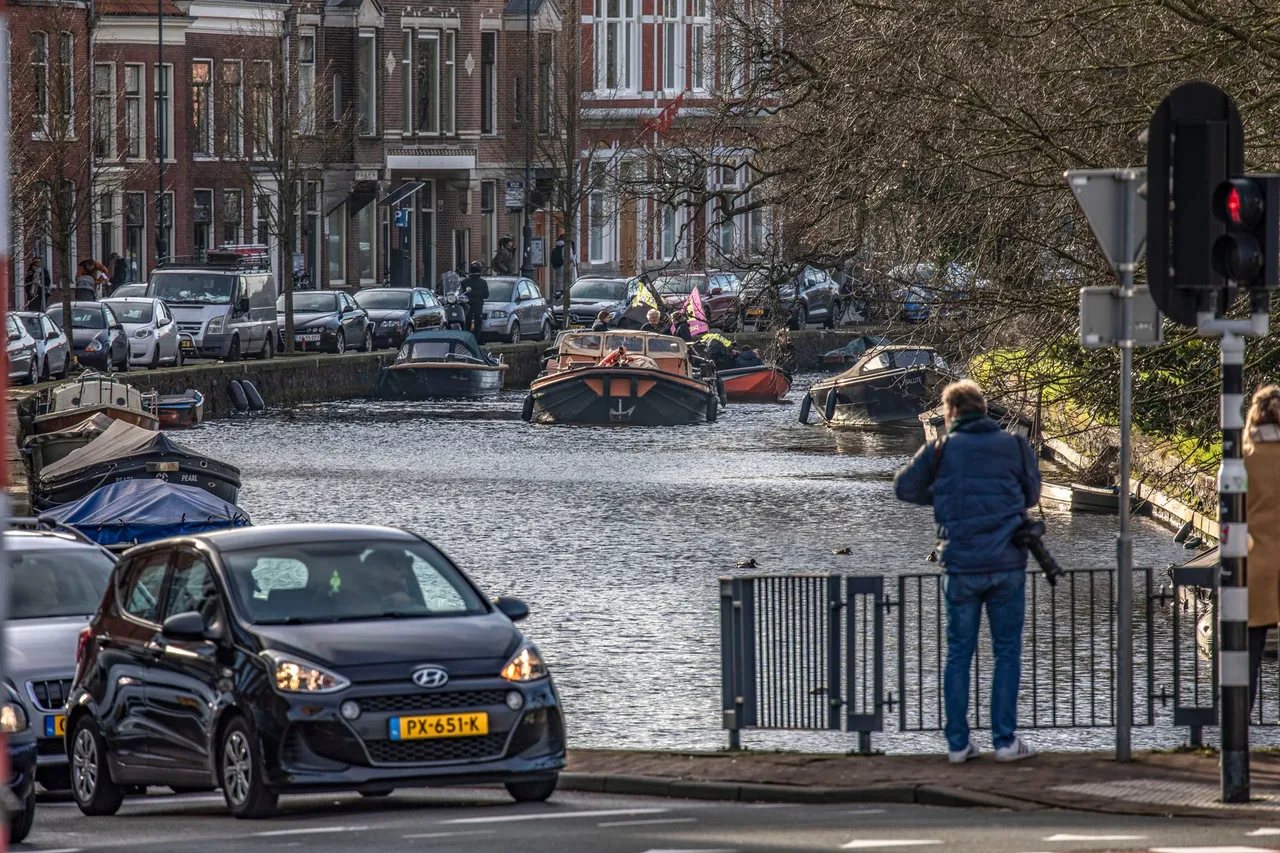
(761, 384)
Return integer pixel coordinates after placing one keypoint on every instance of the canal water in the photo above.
(615, 537)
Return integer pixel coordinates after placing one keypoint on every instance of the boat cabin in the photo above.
(442, 346)
(648, 350)
(898, 357)
(92, 390)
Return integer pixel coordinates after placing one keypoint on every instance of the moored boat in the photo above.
(621, 377)
(45, 448)
(441, 364)
(761, 384)
(888, 385)
(131, 512)
(1080, 498)
(72, 402)
(180, 411)
(852, 351)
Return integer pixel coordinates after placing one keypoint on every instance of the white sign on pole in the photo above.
(515, 195)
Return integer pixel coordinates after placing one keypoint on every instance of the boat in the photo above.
(130, 512)
(621, 377)
(128, 452)
(180, 411)
(888, 385)
(72, 402)
(852, 351)
(1080, 498)
(45, 448)
(441, 364)
(1018, 424)
(760, 384)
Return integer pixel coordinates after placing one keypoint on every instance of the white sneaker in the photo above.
(962, 755)
(1015, 751)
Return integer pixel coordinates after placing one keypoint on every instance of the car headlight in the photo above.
(142, 333)
(497, 314)
(13, 717)
(525, 665)
(392, 324)
(93, 345)
(298, 675)
(215, 325)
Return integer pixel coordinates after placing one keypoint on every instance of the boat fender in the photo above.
(720, 392)
(256, 403)
(237, 395)
(713, 409)
(829, 411)
(805, 405)
(526, 411)
(1183, 532)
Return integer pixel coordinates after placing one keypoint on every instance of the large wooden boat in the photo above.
(93, 393)
(621, 377)
(888, 385)
(441, 364)
(761, 384)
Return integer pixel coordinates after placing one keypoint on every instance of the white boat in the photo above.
(92, 393)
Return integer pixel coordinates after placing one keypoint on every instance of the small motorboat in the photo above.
(852, 351)
(760, 384)
(621, 377)
(128, 452)
(70, 403)
(130, 512)
(1076, 497)
(45, 448)
(441, 364)
(888, 385)
(180, 411)
(1013, 422)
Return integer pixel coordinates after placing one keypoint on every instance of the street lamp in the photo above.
(526, 263)
(162, 113)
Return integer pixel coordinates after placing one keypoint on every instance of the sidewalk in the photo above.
(1181, 784)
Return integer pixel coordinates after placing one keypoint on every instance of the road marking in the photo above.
(450, 834)
(648, 822)
(315, 830)
(1071, 836)
(692, 850)
(863, 811)
(875, 844)
(61, 850)
(1228, 849)
(1266, 830)
(512, 818)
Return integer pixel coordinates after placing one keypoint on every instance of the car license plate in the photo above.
(439, 725)
(55, 725)
(188, 344)
(310, 339)
(755, 312)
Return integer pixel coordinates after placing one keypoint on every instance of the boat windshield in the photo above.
(633, 343)
(588, 344)
(198, 288)
(664, 346)
(913, 358)
(428, 350)
(348, 581)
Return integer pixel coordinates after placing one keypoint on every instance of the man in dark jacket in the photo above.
(602, 322)
(479, 292)
(980, 481)
(504, 260)
(653, 321)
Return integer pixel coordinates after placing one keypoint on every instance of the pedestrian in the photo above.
(504, 260)
(602, 322)
(477, 292)
(85, 284)
(557, 266)
(980, 481)
(680, 327)
(654, 321)
(1262, 505)
(101, 279)
(38, 286)
(118, 269)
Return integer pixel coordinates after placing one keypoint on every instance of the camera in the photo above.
(1030, 535)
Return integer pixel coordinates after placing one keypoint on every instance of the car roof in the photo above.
(86, 304)
(114, 299)
(44, 539)
(288, 534)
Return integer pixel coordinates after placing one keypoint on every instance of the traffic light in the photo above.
(1249, 252)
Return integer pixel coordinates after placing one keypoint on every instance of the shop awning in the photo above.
(400, 193)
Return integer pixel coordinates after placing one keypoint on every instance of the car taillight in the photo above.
(82, 642)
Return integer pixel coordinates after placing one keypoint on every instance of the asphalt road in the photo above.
(486, 820)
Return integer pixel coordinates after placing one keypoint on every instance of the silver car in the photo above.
(52, 345)
(150, 327)
(515, 310)
(58, 578)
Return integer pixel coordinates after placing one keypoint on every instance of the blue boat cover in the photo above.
(136, 511)
(466, 339)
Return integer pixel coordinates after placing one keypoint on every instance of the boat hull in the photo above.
(217, 478)
(1078, 498)
(762, 384)
(620, 396)
(420, 381)
(890, 397)
(58, 421)
(180, 413)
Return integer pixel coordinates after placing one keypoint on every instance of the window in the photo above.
(263, 130)
(40, 77)
(427, 58)
(202, 108)
(669, 225)
(307, 83)
(166, 228)
(595, 213)
(106, 226)
(140, 590)
(488, 83)
(461, 248)
(489, 215)
(546, 87)
(135, 223)
(336, 231)
(133, 112)
(203, 222)
(192, 589)
(66, 79)
(262, 220)
(233, 126)
(367, 71)
(672, 46)
(104, 108)
(337, 98)
(615, 39)
(365, 235)
(232, 216)
(163, 80)
(448, 83)
(406, 81)
(701, 43)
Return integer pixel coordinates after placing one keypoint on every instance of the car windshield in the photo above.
(676, 284)
(57, 582)
(381, 299)
(32, 325)
(348, 581)
(132, 312)
(500, 291)
(599, 290)
(199, 288)
(88, 318)
(311, 303)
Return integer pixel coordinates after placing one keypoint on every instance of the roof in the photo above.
(137, 7)
(283, 534)
(466, 339)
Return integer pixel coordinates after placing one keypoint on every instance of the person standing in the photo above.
(118, 269)
(1262, 505)
(38, 286)
(504, 260)
(86, 287)
(654, 321)
(680, 327)
(558, 253)
(980, 481)
(477, 292)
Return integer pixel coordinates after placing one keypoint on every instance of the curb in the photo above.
(657, 786)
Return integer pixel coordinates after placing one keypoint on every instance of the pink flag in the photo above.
(697, 314)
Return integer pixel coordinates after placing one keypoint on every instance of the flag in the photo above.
(697, 314)
(644, 296)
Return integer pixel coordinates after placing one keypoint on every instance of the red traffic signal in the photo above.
(1239, 203)
(1249, 253)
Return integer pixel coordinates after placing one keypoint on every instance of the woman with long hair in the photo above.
(1262, 465)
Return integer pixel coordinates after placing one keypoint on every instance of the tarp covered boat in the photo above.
(760, 384)
(127, 452)
(130, 512)
(441, 364)
(48, 447)
(888, 385)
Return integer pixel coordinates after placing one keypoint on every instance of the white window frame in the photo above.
(307, 83)
(265, 89)
(602, 237)
(625, 67)
(235, 108)
(367, 83)
(489, 87)
(449, 73)
(370, 211)
(135, 143)
(156, 74)
(207, 141)
(167, 204)
(701, 49)
(68, 74)
(113, 223)
(428, 125)
(40, 72)
(408, 38)
(142, 233)
(104, 111)
(340, 213)
(237, 222)
(489, 220)
(673, 46)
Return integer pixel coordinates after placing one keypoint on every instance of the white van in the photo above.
(222, 311)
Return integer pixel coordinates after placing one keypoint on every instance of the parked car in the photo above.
(16, 726)
(588, 296)
(57, 581)
(306, 657)
(52, 345)
(151, 330)
(225, 308)
(914, 290)
(97, 337)
(21, 352)
(515, 309)
(394, 312)
(808, 296)
(135, 289)
(721, 294)
(329, 320)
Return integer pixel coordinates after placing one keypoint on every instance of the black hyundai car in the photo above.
(292, 658)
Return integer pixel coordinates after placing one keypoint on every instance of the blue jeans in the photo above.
(1003, 594)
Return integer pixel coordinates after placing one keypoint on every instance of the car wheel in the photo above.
(233, 354)
(155, 359)
(33, 372)
(178, 357)
(240, 771)
(341, 346)
(368, 341)
(532, 792)
(829, 322)
(514, 337)
(45, 375)
(269, 348)
(91, 784)
(20, 825)
(800, 319)
(546, 330)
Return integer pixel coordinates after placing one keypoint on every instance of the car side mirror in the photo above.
(716, 291)
(242, 306)
(53, 333)
(14, 336)
(513, 608)
(185, 626)
(166, 321)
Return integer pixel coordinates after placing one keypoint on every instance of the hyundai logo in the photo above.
(430, 676)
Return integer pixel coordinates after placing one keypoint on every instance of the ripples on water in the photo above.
(615, 536)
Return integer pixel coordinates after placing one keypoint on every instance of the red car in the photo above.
(721, 294)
